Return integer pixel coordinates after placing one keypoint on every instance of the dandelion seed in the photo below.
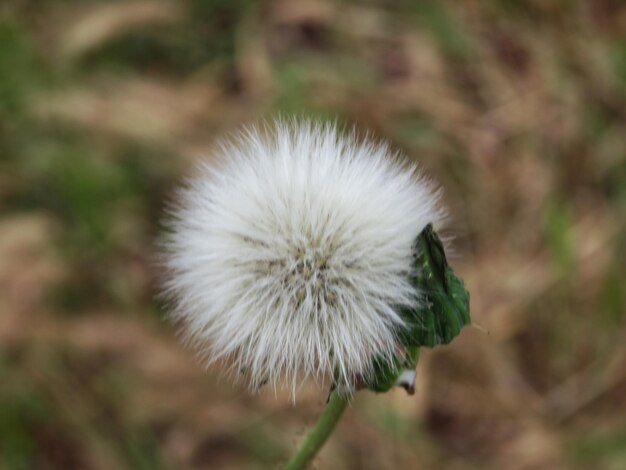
(292, 255)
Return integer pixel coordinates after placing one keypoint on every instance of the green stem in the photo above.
(317, 436)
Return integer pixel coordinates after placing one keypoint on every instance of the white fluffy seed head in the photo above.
(292, 254)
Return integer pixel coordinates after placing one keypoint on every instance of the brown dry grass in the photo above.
(518, 109)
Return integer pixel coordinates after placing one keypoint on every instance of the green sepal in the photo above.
(444, 309)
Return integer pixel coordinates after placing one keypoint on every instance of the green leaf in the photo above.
(443, 312)
(445, 301)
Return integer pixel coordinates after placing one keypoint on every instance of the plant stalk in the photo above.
(321, 431)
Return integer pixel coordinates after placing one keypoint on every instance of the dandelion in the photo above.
(293, 256)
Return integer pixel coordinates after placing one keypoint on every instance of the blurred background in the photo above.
(517, 108)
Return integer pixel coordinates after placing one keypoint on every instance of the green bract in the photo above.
(443, 312)
(444, 309)
(385, 374)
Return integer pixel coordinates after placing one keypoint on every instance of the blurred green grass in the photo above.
(517, 108)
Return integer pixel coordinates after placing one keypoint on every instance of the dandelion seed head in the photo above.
(291, 255)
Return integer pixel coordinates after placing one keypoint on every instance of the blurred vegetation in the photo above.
(517, 108)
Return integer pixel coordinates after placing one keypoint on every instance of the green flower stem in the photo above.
(321, 431)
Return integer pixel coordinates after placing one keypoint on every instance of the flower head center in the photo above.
(310, 263)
